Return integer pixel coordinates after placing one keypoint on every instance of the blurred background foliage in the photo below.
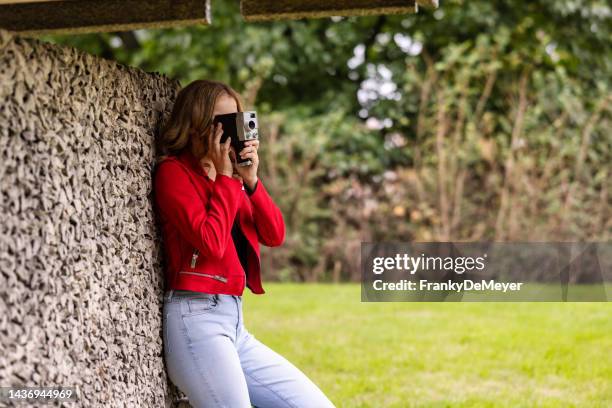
(481, 120)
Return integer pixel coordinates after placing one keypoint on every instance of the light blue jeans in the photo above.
(216, 362)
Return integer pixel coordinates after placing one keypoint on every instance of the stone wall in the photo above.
(80, 262)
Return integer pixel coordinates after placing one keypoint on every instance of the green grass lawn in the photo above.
(438, 354)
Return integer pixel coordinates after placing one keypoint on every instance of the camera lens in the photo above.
(251, 124)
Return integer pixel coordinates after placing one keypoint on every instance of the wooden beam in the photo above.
(428, 3)
(262, 10)
(84, 16)
(24, 1)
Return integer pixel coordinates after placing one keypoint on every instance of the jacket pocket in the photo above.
(219, 278)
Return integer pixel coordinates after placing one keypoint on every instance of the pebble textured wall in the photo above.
(81, 281)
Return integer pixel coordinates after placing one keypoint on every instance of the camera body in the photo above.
(241, 127)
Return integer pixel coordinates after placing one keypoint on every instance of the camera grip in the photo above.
(238, 146)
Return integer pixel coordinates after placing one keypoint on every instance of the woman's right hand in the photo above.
(219, 152)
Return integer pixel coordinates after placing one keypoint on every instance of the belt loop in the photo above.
(170, 295)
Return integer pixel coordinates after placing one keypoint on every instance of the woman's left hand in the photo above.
(249, 173)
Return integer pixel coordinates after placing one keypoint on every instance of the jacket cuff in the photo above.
(230, 182)
(260, 196)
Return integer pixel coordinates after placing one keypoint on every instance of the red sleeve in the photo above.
(207, 223)
(267, 217)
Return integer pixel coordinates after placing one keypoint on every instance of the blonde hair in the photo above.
(192, 114)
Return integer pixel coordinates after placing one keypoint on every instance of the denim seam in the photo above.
(272, 390)
(238, 318)
(195, 360)
(166, 333)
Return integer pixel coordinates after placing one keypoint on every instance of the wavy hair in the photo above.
(192, 115)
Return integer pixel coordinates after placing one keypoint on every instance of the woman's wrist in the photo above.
(226, 173)
(250, 183)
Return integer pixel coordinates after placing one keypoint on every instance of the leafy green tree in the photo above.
(478, 120)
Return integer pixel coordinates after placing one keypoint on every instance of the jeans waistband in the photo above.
(175, 295)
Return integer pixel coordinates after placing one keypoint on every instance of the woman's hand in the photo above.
(219, 152)
(249, 173)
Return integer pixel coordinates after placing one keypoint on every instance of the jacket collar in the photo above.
(187, 157)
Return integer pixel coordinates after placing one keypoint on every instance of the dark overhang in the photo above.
(262, 10)
(83, 16)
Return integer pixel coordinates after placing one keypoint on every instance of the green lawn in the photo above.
(438, 354)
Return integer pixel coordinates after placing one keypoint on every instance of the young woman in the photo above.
(213, 216)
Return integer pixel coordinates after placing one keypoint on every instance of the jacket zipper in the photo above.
(194, 258)
(217, 277)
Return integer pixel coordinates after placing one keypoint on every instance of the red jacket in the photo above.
(196, 216)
